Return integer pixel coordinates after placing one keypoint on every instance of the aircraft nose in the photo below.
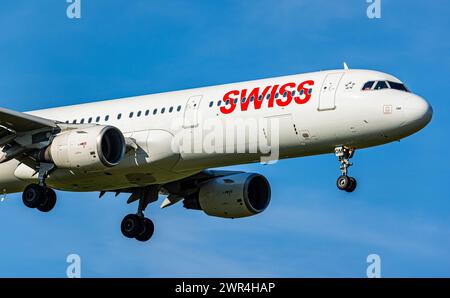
(419, 112)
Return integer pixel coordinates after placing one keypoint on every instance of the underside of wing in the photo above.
(21, 132)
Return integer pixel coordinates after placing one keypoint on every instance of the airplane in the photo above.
(133, 145)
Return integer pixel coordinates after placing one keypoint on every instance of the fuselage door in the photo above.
(327, 100)
(191, 111)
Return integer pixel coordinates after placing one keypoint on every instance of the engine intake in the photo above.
(92, 148)
(112, 146)
(234, 196)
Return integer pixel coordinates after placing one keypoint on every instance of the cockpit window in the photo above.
(398, 86)
(381, 85)
(368, 85)
(384, 85)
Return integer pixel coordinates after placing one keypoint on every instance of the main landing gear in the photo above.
(137, 226)
(39, 196)
(344, 182)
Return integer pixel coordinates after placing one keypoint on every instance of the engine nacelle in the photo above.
(92, 148)
(238, 195)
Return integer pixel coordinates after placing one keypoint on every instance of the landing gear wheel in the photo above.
(343, 182)
(352, 185)
(131, 226)
(33, 195)
(148, 229)
(49, 201)
(344, 154)
(136, 225)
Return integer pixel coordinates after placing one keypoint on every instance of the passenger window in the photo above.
(97, 119)
(155, 111)
(171, 109)
(147, 112)
(106, 117)
(211, 104)
(118, 116)
(179, 108)
(90, 120)
(74, 121)
(162, 110)
(131, 115)
(139, 114)
(284, 94)
(381, 85)
(82, 121)
(368, 86)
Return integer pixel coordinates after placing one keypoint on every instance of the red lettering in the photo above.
(244, 103)
(229, 97)
(272, 95)
(304, 96)
(286, 88)
(259, 102)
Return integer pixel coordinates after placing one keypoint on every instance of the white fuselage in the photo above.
(336, 112)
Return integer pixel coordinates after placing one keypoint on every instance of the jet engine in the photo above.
(233, 196)
(89, 149)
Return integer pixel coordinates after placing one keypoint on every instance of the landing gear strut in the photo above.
(39, 196)
(137, 226)
(344, 182)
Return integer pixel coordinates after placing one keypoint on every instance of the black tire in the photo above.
(131, 226)
(352, 186)
(147, 233)
(50, 201)
(343, 182)
(33, 195)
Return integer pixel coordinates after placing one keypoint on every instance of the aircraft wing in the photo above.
(22, 122)
(179, 189)
(14, 126)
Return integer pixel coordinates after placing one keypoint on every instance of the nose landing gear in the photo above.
(344, 182)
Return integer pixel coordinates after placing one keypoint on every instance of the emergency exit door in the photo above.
(191, 111)
(327, 100)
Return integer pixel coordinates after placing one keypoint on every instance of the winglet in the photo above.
(345, 66)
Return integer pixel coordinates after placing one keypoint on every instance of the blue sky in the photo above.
(123, 48)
